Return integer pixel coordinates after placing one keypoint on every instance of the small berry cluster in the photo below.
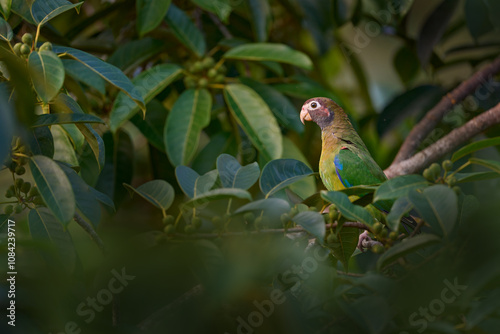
(203, 72)
(433, 174)
(23, 49)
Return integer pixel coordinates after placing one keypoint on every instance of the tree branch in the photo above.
(436, 114)
(90, 231)
(446, 144)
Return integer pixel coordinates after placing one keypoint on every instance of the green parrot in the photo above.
(345, 161)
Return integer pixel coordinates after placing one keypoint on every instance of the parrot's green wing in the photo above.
(354, 169)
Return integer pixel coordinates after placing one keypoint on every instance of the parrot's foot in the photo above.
(365, 242)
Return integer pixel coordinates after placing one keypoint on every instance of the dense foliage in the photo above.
(161, 180)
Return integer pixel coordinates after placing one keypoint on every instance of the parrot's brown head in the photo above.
(320, 110)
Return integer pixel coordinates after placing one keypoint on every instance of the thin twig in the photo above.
(90, 230)
(436, 114)
(222, 28)
(446, 144)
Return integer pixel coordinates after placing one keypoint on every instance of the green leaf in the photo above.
(63, 149)
(103, 198)
(44, 226)
(149, 84)
(280, 173)
(346, 245)
(254, 116)
(261, 18)
(493, 165)
(475, 146)
(44, 10)
(189, 115)
(305, 88)
(477, 18)
(5, 7)
(7, 117)
(107, 71)
(359, 190)
(82, 73)
(23, 9)
(152, 125)
(150, 13)
(51, 119)
(399, 187)
(233, 175)
(406, 64)
(41, 142)
(475, 176)
(54, 187)
(47, 73)
(185, 30)
(399, 209)
(276, 206)
(192, 184)
(270, 51)
(135, 52)
(406, 247)
(157, 192)
(284, 111)
(85, 199)
(347, 209)
(438, 206)
(489, 305)
(217, 194)
(221, 8)
(222, 142)
(65, 104)
(5, 30)
(312, 222)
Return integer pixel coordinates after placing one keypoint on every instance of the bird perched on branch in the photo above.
(345, 160)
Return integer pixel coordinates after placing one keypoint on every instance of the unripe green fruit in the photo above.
(33, 192)
(26, 187)
(189, 229)
(9, 194)
(168, 219)
(457, 190)
(208, 62)
(196, 222)
(383, 233)
(249, 217)
(258, 222)
(20, 170)
(451, 180)
(332, 238)
(27, 38)
(46, 46)
(294, 211)
(19, 183)
(202, 83)
(222, 69)
(428, 175)
(169, 229)
(393, 235)
(217, 221)
(12, 166)
(18, 208)
(378, 249)
(17, 48)
(196, 67)
(219, 78)
(447, 165)
(377, 228)
(190, 82)
(333, 214)
(8, 209)
(25, 49)
(435, 169)
(212, 73)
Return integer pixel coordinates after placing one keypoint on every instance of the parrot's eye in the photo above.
(314, 105)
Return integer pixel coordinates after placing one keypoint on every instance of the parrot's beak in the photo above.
(304, 115)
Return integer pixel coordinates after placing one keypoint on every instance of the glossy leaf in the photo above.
(345, 246)
(275, 206)
(279, 174)
(312, 222)
(157, 192)
(475, 176)
(270, 51)
(43, 10)
(47, 73)
(5, 8)
(284, 111)
(222, 142)
(152, 125)
(254, 116)
(54, 187)
(221, 8)
(410, 245)
(477, 17)
(233, 175)
(433, 29)
(491, 164)
(149, 84)
(261, 18)
(399, 209)
(82, 73)
(305, 88)
(103, 198)
(135, 52)
(185, 30)
(107, 71)
(189, 115)
(52, 119)
(85, 199)
(5, 30)
(7, 117)
(359, 190)
(41, 142)
(217, 194)
(43, 226)
(399, 187)
(192, 184)
(150, 13)
(63, 149)
(406, 64)
(475, 146)
(347, 209)
(437, 205)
